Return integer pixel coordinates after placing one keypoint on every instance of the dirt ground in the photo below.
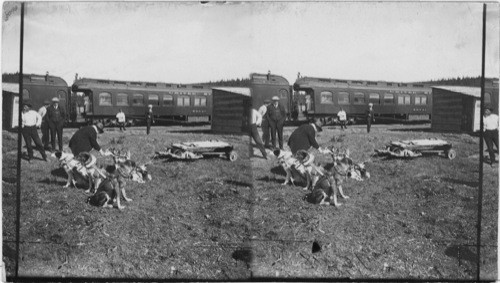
(212, 219)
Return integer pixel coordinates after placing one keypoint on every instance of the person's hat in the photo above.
(370, 104)
(100, 127)
(150, 105)
(488, 107)
(45, 102)
(275, 98)
(27, 103)
(55, 99)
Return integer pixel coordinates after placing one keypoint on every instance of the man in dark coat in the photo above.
(276, 116)
(55, 118)
(85, 139)
(149, 118)
(369, 117)
(305, 136)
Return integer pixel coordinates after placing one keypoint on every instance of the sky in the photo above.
(189, 42)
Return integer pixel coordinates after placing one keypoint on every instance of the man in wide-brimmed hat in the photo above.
(31, 120)
(276, 116)
(490, 134)
(45, 125)
(85, 139)
(55, 118)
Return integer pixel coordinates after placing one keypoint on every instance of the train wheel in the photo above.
(232, 156)
(451, 154)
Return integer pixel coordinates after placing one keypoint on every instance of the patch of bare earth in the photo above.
(219, 220)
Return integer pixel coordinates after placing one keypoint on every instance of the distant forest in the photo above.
(463, 81)
(232, 83)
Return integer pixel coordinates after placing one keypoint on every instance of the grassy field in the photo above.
(220, 220)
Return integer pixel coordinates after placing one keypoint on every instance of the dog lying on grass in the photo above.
(82, 166)
(326, 190)
(298, 167)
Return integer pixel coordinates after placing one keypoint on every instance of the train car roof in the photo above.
(89, 82)
(35, 79)
(256, 78)
(327, 82)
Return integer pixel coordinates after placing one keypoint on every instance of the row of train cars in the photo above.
(88, 100)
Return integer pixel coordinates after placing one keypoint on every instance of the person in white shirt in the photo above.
(45, 125)
(265, 127)
(490, 135)
(342, 118)
(121, 120)
(31, 120)
(256, 120)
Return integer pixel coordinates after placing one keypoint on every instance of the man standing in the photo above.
(369, 117)
(276, 116)
(55, 118)
(305, 136)
(265, 122)
(149, 118)
(85, 139)
(490, 132)
(31, 120)
(121, 120)
(45, 125)
(256, 120)
(342, 118)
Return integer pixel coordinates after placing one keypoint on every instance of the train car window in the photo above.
(359, 98)
(343, 98)
(420, 100)
(388, 98)
(137, 99)
(183, 101)
(487, 98)
(404, 99)
(154, 99)
(326, 97)
(61, 94)
(168, 100)
(200, 101)
(105, 99)
(375, 98)
(283, 93)
(26, 94)
(122, 99)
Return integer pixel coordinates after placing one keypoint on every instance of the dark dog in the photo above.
(110, 190)
(330, 185)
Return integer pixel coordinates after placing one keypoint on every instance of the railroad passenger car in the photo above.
(102, 99)
(265, 86)
(324, 97)
(36, 89)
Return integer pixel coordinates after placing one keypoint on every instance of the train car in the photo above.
(324, 97)
(265, 86)
(36, 89)
(102, 99)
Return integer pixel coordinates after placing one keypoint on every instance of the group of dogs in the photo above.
(107, 184)
(324, 183)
